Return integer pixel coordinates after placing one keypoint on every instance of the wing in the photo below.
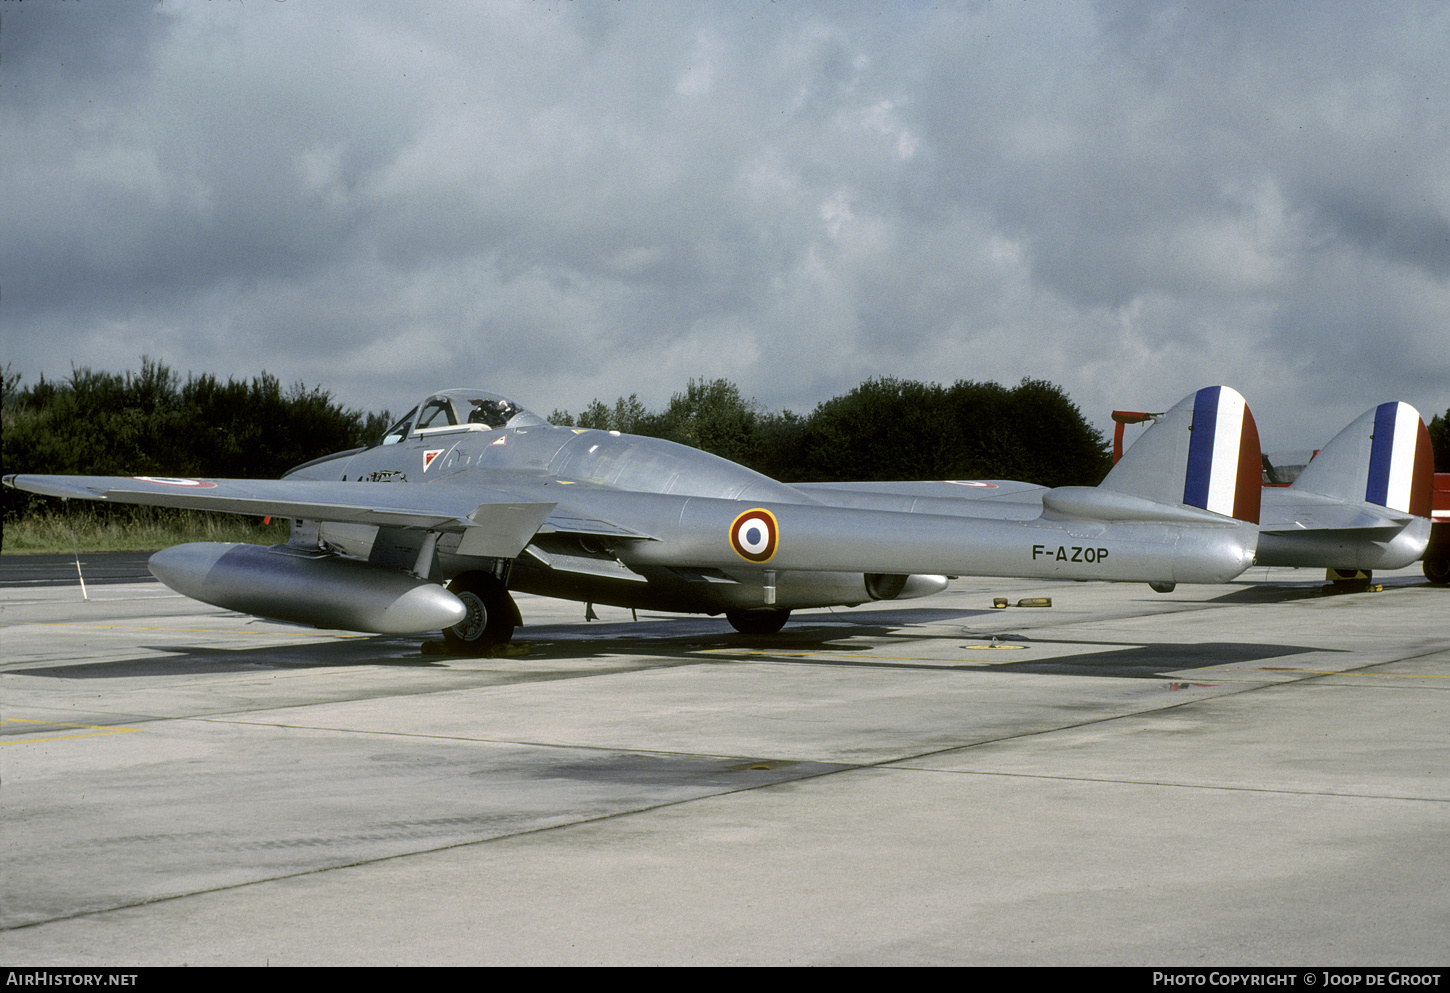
(493, 522)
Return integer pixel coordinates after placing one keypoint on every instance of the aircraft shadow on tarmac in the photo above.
(1290, 592)
(878, 639)
(832, 640)
(1150, 661)
(194, 660)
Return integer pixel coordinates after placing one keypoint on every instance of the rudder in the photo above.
(1204, 453)
(1383, 457)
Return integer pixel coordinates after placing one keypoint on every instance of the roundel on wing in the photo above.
(200, 484)
(754, 535)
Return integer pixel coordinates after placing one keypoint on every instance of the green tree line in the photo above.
(1440, 440)
(152, 423)
(883, 429)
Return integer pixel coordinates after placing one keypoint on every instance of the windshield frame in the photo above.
(460, 409)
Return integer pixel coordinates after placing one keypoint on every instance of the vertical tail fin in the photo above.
(1224, 461)
(1383, 457)
(1204, 453)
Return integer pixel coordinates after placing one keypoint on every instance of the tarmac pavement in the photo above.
(1246, 774)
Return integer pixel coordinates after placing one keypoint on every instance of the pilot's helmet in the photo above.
(494, 413)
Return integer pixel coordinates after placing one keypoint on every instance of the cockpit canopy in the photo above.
(461, 409)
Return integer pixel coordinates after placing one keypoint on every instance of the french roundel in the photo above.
(754, 535)
(200, 484)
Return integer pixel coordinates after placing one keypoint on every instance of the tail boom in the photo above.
(838, 539)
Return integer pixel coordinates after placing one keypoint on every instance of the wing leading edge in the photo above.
(493, 522)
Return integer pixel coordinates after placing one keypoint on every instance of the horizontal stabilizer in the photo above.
(1292, 512)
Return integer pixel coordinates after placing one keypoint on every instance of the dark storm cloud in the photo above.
(1417, 238)
(595, 199)
(69, 52)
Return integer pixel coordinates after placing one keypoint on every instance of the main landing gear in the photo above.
(1437, 569)
(491, 619)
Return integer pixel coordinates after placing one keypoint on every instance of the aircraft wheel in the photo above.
(1437, 570)
(491, 616)
(757, 621)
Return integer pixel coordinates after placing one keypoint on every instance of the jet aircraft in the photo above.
(1363, 502)
(471, 490)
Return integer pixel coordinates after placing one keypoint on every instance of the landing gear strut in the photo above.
(491, 619)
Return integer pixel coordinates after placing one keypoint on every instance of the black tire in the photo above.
(757, 621)
(1437, 570)
(491, 618)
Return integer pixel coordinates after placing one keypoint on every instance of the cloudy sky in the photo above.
(568, 199)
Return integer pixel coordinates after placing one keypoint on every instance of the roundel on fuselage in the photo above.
(754, 534)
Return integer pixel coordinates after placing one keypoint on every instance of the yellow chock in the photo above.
(1035, 601)
(999, 603)
(1350, 581)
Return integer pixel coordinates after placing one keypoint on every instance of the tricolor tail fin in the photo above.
(1383, 457)
(1204, 454)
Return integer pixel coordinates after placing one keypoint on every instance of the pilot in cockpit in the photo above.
(492, 413)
